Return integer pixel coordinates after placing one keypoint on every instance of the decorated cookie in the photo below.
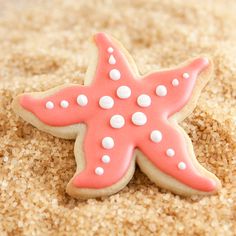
(119, 117)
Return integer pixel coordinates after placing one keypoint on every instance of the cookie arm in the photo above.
(111, 62)
(173, 156)
(174, 88)
(59, 107)
(100, 165)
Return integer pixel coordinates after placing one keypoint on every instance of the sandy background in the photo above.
(44, 44)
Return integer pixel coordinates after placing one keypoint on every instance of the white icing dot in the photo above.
(99, 171)
(49, 105)
(64, 103)
(170, 152)
(106, 159)
(117, 121)
(175, 82)
(110, 49)
(144, 100)
(112, 60)
(156, 136)
(82, 100)
(182, 166)
(106, 102)
(186, 75)
(123, 92)
(114, 74)
(139, 118)
(161, 90)
(108, 143)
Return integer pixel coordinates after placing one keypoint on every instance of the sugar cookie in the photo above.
(119, 117)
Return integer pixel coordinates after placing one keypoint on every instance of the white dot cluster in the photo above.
(81, 100)
(161, 90)
(107, 143)
(117, 121)
(156, 137)
(114, 74)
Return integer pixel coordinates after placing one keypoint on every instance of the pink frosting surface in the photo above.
(98, 174)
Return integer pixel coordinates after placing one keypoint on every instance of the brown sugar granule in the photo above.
(44, 44)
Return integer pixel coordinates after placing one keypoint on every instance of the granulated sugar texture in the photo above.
(44, 44)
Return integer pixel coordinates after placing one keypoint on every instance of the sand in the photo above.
(45, 44)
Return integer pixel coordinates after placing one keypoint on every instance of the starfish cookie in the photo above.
(119, 117)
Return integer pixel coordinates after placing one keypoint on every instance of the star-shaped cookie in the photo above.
(119, 117)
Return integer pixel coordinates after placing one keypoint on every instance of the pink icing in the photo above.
(130, 136)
